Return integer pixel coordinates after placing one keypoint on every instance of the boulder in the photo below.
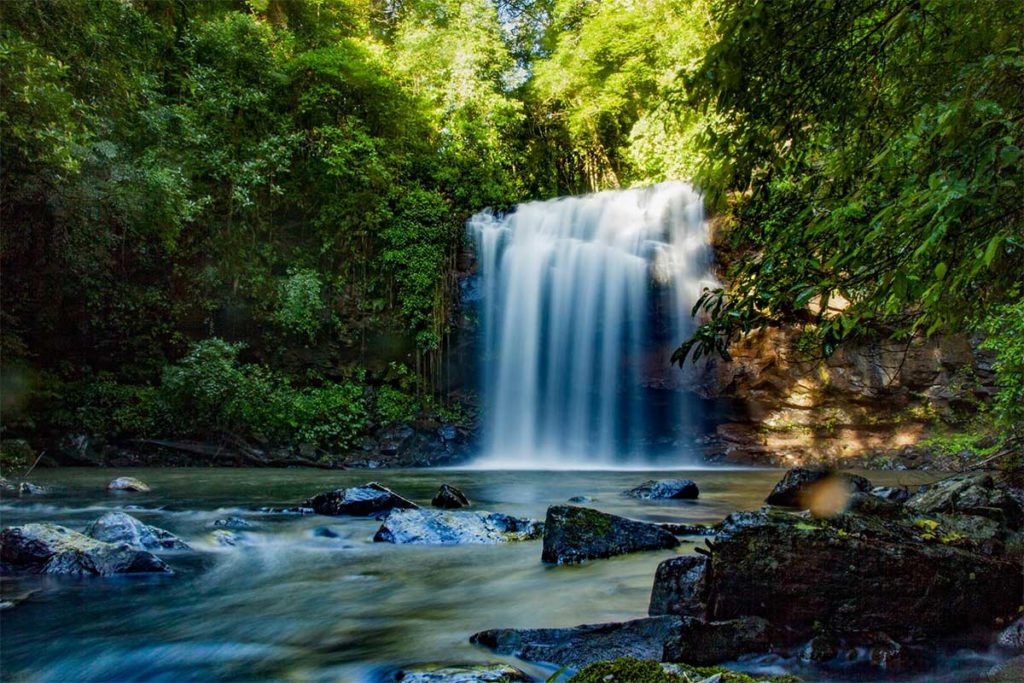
(581, 499)
(573, 534)
(495, 672)
(819, 649)
(665, 489)
(870, 504)
(119, 527)
(976, 494)
(1012, 637)
(798, 485)
(359, 501)
(51, 549)
(709, 642)
(226, 538)
(661, 638)
(688, 529)
(429, 527)
(855, 573)
(896, 494)
(578, 646)
(232, 523)
(678, 583)
(128, 484)
(449, 498)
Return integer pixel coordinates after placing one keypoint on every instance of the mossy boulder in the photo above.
(856, 573)
(665, 489)
(573, 534)
(51, 549)
(977, 495)
(631, 670)
(678, 587)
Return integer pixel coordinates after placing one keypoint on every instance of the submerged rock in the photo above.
(450, 498)
(581, 645)
(573, 534)
(128, 484)
(118, 527)
(429, 527)
(359, 501)
(581, 499)
(797, 486)
(853, 574)
(232, 523)
(226, 538)
(497, 672)
(678, 585)
(977, 495)
(51, 549)
(665, 489)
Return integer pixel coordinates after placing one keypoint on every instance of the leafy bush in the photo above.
(1005, 332)
(300, 304)
(102, 405)
(395, 405)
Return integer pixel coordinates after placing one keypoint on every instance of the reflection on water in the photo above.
(291, 605)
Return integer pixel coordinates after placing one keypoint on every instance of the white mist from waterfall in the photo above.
(574, 291)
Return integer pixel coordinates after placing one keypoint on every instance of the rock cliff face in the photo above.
(871, 401)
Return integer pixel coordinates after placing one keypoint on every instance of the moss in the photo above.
(630, 670)
(16, 456)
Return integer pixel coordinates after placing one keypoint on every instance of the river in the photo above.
(291, 605)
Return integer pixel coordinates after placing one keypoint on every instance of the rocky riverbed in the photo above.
(891, 581)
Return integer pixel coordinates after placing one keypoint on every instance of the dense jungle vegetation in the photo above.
(243, 217)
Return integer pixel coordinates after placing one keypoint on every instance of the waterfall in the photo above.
(583, 300)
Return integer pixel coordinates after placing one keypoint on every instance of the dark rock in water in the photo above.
(853, 574)
(29, 489)
(665, 489)
(52, 549)
(970, 495)
(709, 642)
(128, 484)
(118, 527)
(360, 501)
(1012, 637)
(429, 527)
(688, 529)
(581, 645)
(870, 504)
(896, 494)
(678, 585)
(581, 499)
(450, 498)
(573, 534)
(497, 672)
(232, 523)
(795, 487)
(820, 649)
(325, 532)
(298, 510)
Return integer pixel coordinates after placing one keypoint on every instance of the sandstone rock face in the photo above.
(855, 574)
(53, 549)
(665, 489)
(497, 672)
(360, 501)
(870, 400)
(118, 527)
(573, 534)
(450, 498)
(428, 527)
(678, 586)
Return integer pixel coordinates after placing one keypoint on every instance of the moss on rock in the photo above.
(630, 670)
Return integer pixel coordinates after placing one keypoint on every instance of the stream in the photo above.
(288, 604)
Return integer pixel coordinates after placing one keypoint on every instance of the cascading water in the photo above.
(583, 300)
